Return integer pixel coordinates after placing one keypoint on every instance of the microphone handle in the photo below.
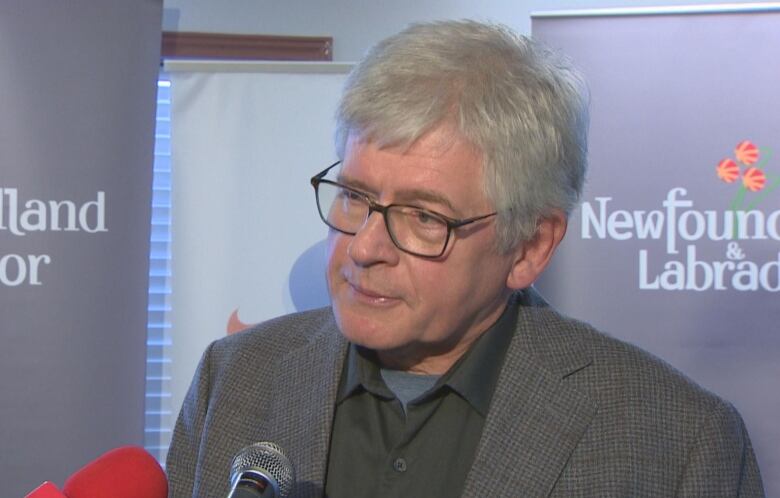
(253, 484)
(252, 493)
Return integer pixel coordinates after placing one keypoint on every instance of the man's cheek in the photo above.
(335, 258)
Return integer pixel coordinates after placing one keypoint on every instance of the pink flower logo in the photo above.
(753, 179)
(748, 166)
(728, 171)
(747, 154)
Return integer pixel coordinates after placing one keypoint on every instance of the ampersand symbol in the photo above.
(734, 252)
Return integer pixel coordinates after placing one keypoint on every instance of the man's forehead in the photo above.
(440, 168)
(402, 194)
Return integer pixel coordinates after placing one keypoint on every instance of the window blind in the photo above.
(159, 418)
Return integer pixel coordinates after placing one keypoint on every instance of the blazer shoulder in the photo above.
(275, 338)
(606, 365)
(649, 422)
(633, 366)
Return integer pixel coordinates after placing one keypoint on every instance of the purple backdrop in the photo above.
(77, 95)
(677, 245)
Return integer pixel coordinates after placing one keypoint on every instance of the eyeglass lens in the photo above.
(412, 229)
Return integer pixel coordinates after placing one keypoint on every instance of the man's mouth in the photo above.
(368, 294)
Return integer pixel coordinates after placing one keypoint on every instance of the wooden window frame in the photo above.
(191, 45)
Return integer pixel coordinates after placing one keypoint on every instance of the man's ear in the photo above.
(533, 256)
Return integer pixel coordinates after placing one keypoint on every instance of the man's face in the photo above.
(397, 303)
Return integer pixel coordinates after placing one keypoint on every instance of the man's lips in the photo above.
(367, 293)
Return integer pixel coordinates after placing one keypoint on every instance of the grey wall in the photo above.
(355, 25)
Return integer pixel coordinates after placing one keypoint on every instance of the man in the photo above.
(438, 371)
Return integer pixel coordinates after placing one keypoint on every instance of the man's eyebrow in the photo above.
(402, 196)
(415, 195)
(354, 183)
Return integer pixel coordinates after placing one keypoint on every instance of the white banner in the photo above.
(247, 242)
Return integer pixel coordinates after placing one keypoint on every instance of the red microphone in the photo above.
(46, 490)
(127, 472)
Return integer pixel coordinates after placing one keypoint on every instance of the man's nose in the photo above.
(372, 243)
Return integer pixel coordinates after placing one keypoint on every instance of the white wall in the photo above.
(355, 25)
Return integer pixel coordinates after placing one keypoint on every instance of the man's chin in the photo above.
(376, 340)
(367, 333)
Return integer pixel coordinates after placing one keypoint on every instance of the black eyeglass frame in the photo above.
(373, 206)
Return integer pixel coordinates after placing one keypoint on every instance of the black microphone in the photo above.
(261, 470)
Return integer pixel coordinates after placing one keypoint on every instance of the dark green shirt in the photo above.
(378, 451)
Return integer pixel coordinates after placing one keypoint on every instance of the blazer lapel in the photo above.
(307, 381)
(535, 419)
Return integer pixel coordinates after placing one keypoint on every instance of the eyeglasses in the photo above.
(412, 229)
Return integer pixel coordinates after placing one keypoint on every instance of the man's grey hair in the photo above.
(523, 106)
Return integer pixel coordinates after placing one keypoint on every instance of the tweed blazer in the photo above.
(575, 414)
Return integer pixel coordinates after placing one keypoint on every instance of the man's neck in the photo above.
(436, 358)
(417, 359)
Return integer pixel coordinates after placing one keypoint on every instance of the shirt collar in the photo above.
(362, 373)
(473, 376)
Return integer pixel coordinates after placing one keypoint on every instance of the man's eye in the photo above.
(424, 218)
(349, 195)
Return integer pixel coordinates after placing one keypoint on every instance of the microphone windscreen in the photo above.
(127, 472)
(46, 490)
(269, 460)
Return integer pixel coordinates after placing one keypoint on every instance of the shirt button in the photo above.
(399, 464)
